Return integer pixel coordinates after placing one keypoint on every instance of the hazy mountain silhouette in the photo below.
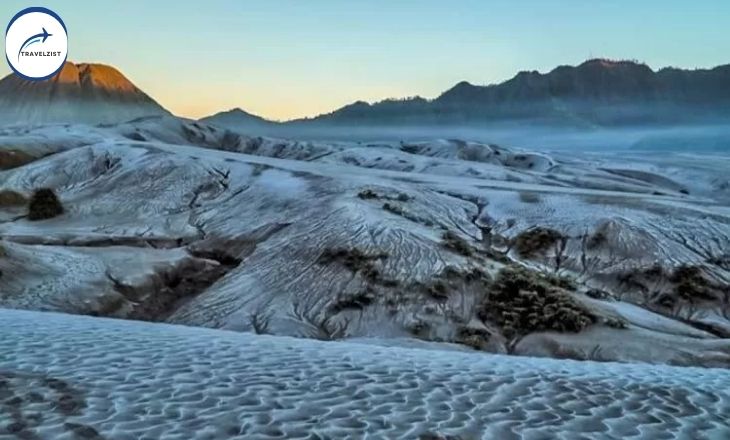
(597, 92)
(238, 118)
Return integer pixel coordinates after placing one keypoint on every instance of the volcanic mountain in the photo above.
(88, 93)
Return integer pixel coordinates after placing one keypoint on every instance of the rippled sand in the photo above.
(71, 377)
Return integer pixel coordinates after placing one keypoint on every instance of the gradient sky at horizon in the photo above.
(286, 59)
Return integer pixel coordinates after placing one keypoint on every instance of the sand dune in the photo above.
(69, 377)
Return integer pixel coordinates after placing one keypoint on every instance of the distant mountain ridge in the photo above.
(596, 92)
(602, 80)
(237, 116)
(88, 93)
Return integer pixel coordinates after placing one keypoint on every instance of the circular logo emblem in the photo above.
(36, 43)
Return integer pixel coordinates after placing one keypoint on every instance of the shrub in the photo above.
(44, 205)
(368, 194)
(438, 291)
(476, 338)
(638, 278)
(419, 328)
(529, 197)
(596, 239)
(521, 301)
(357, 301)
(654, 272)
(616, 323)
(388, 282)
(395, 209)
(534, 241)
(452, 274)
(561, 281)
(457, 244)
(722, 261)
(687, 273)
(476, 274)
(10, 198)
(356, 261)
(690, 283)
(599, 294)
(451, 279)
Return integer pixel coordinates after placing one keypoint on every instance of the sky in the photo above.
(288, 59)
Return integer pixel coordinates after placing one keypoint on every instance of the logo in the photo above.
(36, 43)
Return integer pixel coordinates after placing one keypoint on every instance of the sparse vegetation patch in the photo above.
(438, 290)
(596, 240)
(561, 281)
(674, 290)
(394, 209)
(451, 280)
(722, 261)
(471, 275)
(456, 244)
(356, 301)
(359, 262)
(691, 284)
(370, 194)
(536, 241)
(521, 301)
(599, 294)
(616, 323)
(398, 210)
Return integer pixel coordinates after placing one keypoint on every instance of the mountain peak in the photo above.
(462, 84)
(99, 76)
(461, 89)
(237, 117)
(83, 92)
(611, 64)
(237, 111)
